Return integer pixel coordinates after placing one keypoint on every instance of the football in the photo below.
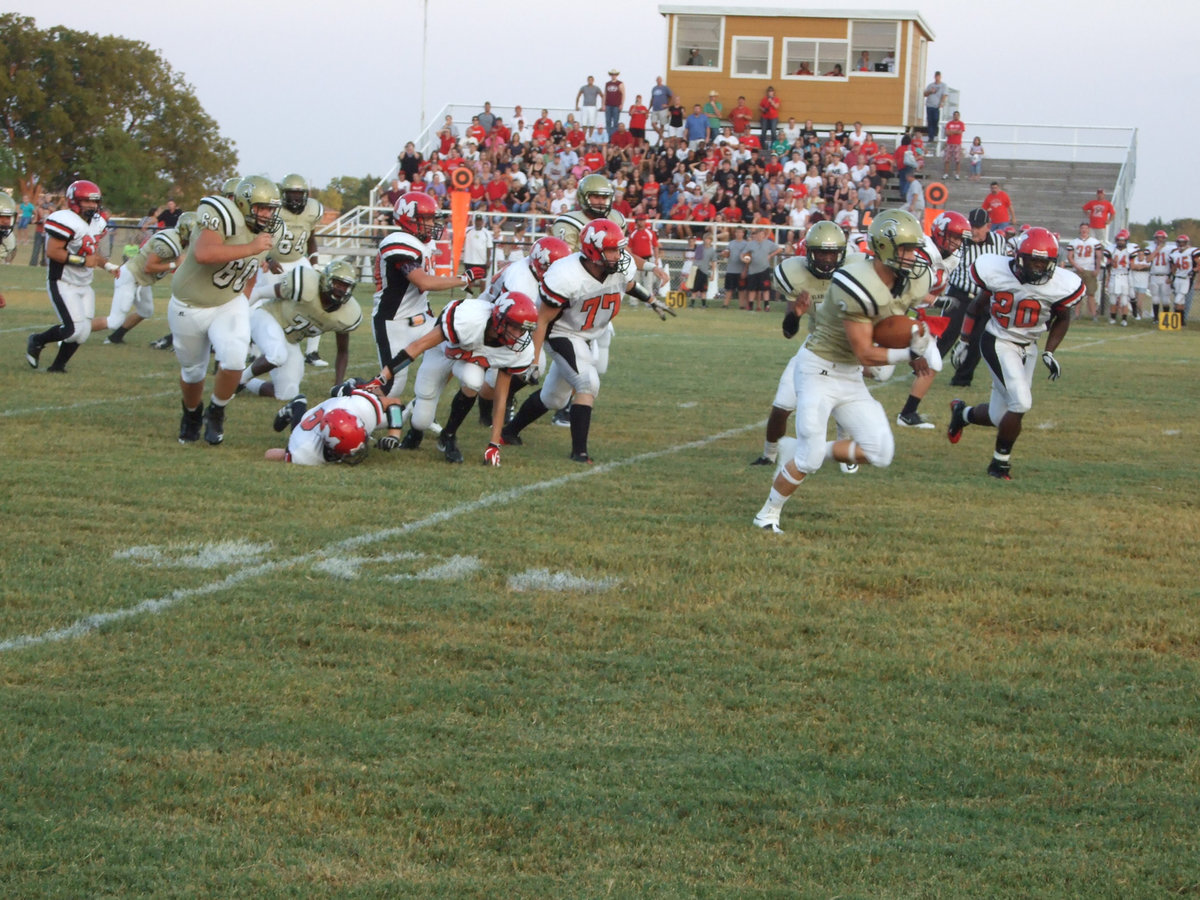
(896, 331)
(746, 257)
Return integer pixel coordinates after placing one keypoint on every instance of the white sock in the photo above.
(770, 450)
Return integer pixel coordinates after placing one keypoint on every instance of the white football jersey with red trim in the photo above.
(464, 322)
(1017, 311)
(83, 239)
(516, 276)
(306, 445)
(587, 305)
(395, 296)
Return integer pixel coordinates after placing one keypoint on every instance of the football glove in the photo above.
(1052, 365)
(958, 355)
(533, 374)
(344, 389)
(661, 308)
(491, 456)
(388, 442)
(791, 325)
(919, 341)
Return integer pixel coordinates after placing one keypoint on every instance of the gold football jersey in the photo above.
(568, 226)
(291, 243)
(215, 285)
(162, 245)
(299, 312)
(857, 294)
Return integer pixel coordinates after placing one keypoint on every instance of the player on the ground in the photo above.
(209, 309)
(1024, 296)
(829, 368)
(471, 337)
(72, 252)
(404, 276)
(1120, 259)
(133, 292)
(338, 429)
(803, 281)
(305, 304)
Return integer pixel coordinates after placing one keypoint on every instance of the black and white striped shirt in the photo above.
(960, 278)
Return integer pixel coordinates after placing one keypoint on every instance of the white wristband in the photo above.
(898, 357)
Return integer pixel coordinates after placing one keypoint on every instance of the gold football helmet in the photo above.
(295, 192)
(595, 193)
(825, 249)
(258, 199)
(337, 284)
(184, 227)
(898, 241)
(8, 214)
(230, 185)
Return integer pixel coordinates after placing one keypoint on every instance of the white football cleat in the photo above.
(768, 521)
(848, 468)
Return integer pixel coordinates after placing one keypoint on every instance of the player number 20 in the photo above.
(1023, 314)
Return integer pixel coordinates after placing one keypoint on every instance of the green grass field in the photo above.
(224, 677)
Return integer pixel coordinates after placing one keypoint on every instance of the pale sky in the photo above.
(347, 75)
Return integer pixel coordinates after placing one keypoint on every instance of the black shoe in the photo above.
(449, 446)
(290, 414)
(957, 421)
(510, 437)
(57, 370)
(166, 342)
(114, 339)
(33, 349)
(959, 382)
(189, 424)
(581, 458)
(562, 418)
(214, 424)
(1001, 470)
(763, 461)
(412, 439)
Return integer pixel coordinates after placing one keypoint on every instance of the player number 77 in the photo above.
(593, 305)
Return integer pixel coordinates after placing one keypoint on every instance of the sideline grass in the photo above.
(933, 685)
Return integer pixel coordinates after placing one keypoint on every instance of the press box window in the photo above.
(697, 41)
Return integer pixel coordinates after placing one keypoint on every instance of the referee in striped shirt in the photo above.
(962, 290)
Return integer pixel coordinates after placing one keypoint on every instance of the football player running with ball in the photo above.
(1023, 296)
(829, 367)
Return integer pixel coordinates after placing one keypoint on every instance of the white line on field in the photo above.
(88, 624)
(34, 410)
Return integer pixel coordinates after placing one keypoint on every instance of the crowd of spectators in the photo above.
(695, 167)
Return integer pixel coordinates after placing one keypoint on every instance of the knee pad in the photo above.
(880, 451)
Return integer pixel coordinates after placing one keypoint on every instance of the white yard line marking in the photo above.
(34, 410)
(88, 624)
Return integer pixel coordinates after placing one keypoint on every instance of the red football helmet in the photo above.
(1182, 239)
(80, 192)
(419, 214)
(1037, 257)
(1160, 234)
(1122, 235)
(601, 241)
(545, 252)
(949, 230)
(345, 437)
(514, 319)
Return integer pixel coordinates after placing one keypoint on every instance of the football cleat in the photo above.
(448, 444)
(768, 521)
(562, 418)
(314, 359)
(848, 468)
(957, 421)
(581, 458)
(914, 420)
(166, 342)
(114, 339)
(290, 413)
(763, 461)
(214, 424)
(33, 350)
(412, 439)
(189, 424)
(510, 437)
(1001, 470)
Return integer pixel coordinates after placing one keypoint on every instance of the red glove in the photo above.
(491, 456)
(474, 273)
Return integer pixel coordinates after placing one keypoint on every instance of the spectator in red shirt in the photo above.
(954, 136)
(575, 136)
(768, 108)
(638, 113)
(477, 131)
(593, 159)
(703, 212)
(681, 213)
(999, 208)
(621, 137)
(740, 116)
(1099, 212)
(544, 121)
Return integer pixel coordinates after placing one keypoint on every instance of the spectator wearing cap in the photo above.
(696, 128)
(715, 112)
(614, 101)
(962, 289)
